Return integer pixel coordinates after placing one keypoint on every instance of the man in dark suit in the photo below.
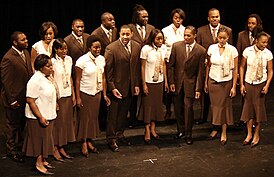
(77, 42)
(141, 32)
(15, 73)
(107, 33)
(207, 35)
(123, 78)
(185, 69)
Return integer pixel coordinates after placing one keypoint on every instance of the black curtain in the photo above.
(28, 15)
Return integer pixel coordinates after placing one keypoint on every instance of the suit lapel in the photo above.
(104, 36)
(122, 48)
(77, 43)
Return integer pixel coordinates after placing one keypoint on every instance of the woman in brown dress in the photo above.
(220, 82)
(89, 83)
(254, 85)
(153, 72)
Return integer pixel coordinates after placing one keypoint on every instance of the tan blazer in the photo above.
(186, 73)
(122, 70)
(136, 36)
(15, 73)
(204, 36)
(104, 39)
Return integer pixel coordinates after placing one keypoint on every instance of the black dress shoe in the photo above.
(16, 157)
(200, 121)
(44, 173)
(113, 146)
(124, 141)
(189, 140)
(167, 115)
(179, 135)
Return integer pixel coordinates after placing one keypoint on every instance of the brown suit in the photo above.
(75, 50)
(243, 42)
(136, 36)
(204, 36)
(205, 39)
(123, 73)
(103, 37)
(187, 75)
(15, 74)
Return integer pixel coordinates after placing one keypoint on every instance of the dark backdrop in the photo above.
(27, 16)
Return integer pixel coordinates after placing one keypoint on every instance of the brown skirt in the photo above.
(152, 104)
(63, 130)
(254, 103)
(220, 102)
(88, 124)
(38, 140)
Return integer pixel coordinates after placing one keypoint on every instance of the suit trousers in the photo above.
(183, 107)
(15, 124)
(117, 117)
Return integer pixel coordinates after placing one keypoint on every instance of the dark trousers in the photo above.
(205, 105)
(15, 124)
(168, 98)
(117, 117)
(183, 107)
(133, 109)
(103, 114)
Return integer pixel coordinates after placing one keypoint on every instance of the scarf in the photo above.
(158, 65)
(228, 61)
(99, 72)
(257, 65)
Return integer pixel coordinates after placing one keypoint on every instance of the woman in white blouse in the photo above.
(254, 85)
(63, 131)
(220, 82)
(41, 113)
(89, 83)
(153, 73)
(47, 32)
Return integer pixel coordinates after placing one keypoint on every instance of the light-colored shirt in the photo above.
(62, 74)
(249, 53)
(150, 54)
(40, 49)
(88, 82)
(42, 89)
(171, 36)
(217, 62)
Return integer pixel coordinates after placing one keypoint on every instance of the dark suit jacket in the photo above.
(204, 36)
(243, 42)
(186, 73)
(136, 36)
(122, 71)
(103, 37)
(15, 73)
(74, 48)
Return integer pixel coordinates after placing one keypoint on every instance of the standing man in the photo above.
(123, 78)
(206, 36)
(107, 33)
(185, 69)
(141, 32)
(77, 42)
(15, 72)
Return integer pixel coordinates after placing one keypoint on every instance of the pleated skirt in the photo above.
(220, 102)
(151, 108)
(64, 130)
(87, 117)
(254, 103)
(38, 140)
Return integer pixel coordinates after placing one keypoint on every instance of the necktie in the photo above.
(127, 49)
(80, 42)
(110, 36)
(251, 39)
(141, 32)
(188, 50)
(214, 34)
(22, 55)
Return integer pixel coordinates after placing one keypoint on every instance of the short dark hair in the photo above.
(57, 44)
(14, 36)
(91, 39)
(180, 12)
(45, 26)
(126, 27)
(40, 61)
(192, 28)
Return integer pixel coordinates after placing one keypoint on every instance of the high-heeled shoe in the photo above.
(59, 159)
(49, 166)
(247, 142)
(157, 137)
(94, 150)
(212, 137)
(84, 151)
(223, 142)
(66, 156)
(147, 141)
(254, 144)
(38, 168)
